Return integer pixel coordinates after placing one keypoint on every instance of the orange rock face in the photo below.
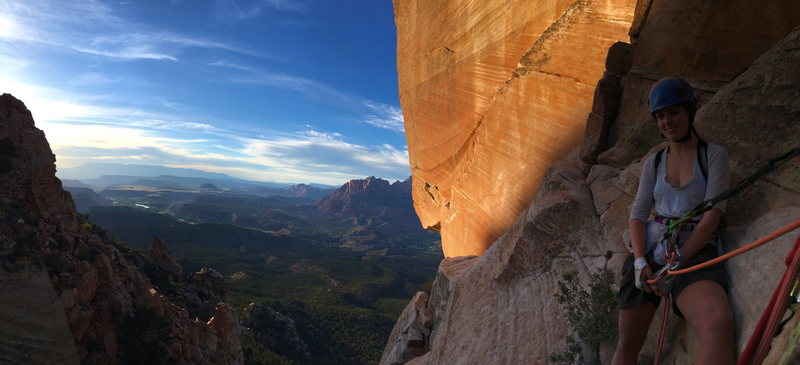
(492, 93)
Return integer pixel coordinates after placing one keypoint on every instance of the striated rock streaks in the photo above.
(743, 59)
(492, 94)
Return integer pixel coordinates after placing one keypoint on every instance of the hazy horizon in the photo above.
(286, 91)
(95, 170)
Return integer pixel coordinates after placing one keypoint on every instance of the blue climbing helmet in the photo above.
(671, 91)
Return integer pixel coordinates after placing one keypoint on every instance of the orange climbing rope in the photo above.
(760, 347)
(786, 229)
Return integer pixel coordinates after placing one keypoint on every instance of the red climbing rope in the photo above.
(759, 344)
(662, 332)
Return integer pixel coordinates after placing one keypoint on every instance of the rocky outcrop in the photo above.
(410, 337)
(379, 213)
(307, 191)
(71, 294)
(163, 261)
(202, 293)
(501, 309)
(85, 198)
(492, 93)
(368, 197)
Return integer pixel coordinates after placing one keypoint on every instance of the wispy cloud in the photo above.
(228, 64)
(75, 24)
(385, 116)
(299, 157)
(374, 113)
(328, 153)
(80, 132)
(312, 89)
(93, 79)
(233, 11)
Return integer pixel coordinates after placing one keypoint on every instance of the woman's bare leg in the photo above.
(705, 306)
(633, 325)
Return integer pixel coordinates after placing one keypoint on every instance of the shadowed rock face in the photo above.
(500, 309)
(493, 93)
(70, 293)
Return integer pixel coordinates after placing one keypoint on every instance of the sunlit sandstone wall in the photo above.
(492, 93)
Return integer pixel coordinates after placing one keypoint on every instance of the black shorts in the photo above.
(631, 297)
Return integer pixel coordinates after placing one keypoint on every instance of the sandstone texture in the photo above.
(411, 335)
(500, 307)
(70, 293)
(492, 93)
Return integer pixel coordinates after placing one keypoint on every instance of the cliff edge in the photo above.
(742, 58)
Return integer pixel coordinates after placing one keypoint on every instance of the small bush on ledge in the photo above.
(590, 313)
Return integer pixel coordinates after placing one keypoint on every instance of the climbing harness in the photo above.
(673, 225)
(663, 277)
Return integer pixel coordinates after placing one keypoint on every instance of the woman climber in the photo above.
(673, 181)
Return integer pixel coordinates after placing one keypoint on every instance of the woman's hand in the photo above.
(645, 275)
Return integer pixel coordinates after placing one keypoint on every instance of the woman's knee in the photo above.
(716, 320)
(630, 344)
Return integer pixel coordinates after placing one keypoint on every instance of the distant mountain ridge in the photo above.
(379, 211)
(104, 174)
(92, 170)
(371, 196)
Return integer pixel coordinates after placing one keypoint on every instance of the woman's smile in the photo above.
(673, 121)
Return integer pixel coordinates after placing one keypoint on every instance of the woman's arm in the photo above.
(701, 234)
(718, 181)
(640, 211)
(642, 205)
(637, 232)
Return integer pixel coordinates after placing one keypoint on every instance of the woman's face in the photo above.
(673, 122)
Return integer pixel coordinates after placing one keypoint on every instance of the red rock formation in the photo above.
(351, 198)
(71, 294)
(500, 308)
(493, 93)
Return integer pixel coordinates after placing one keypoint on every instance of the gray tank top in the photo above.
(655, 193)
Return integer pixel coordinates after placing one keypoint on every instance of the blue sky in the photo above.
(272, 90)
